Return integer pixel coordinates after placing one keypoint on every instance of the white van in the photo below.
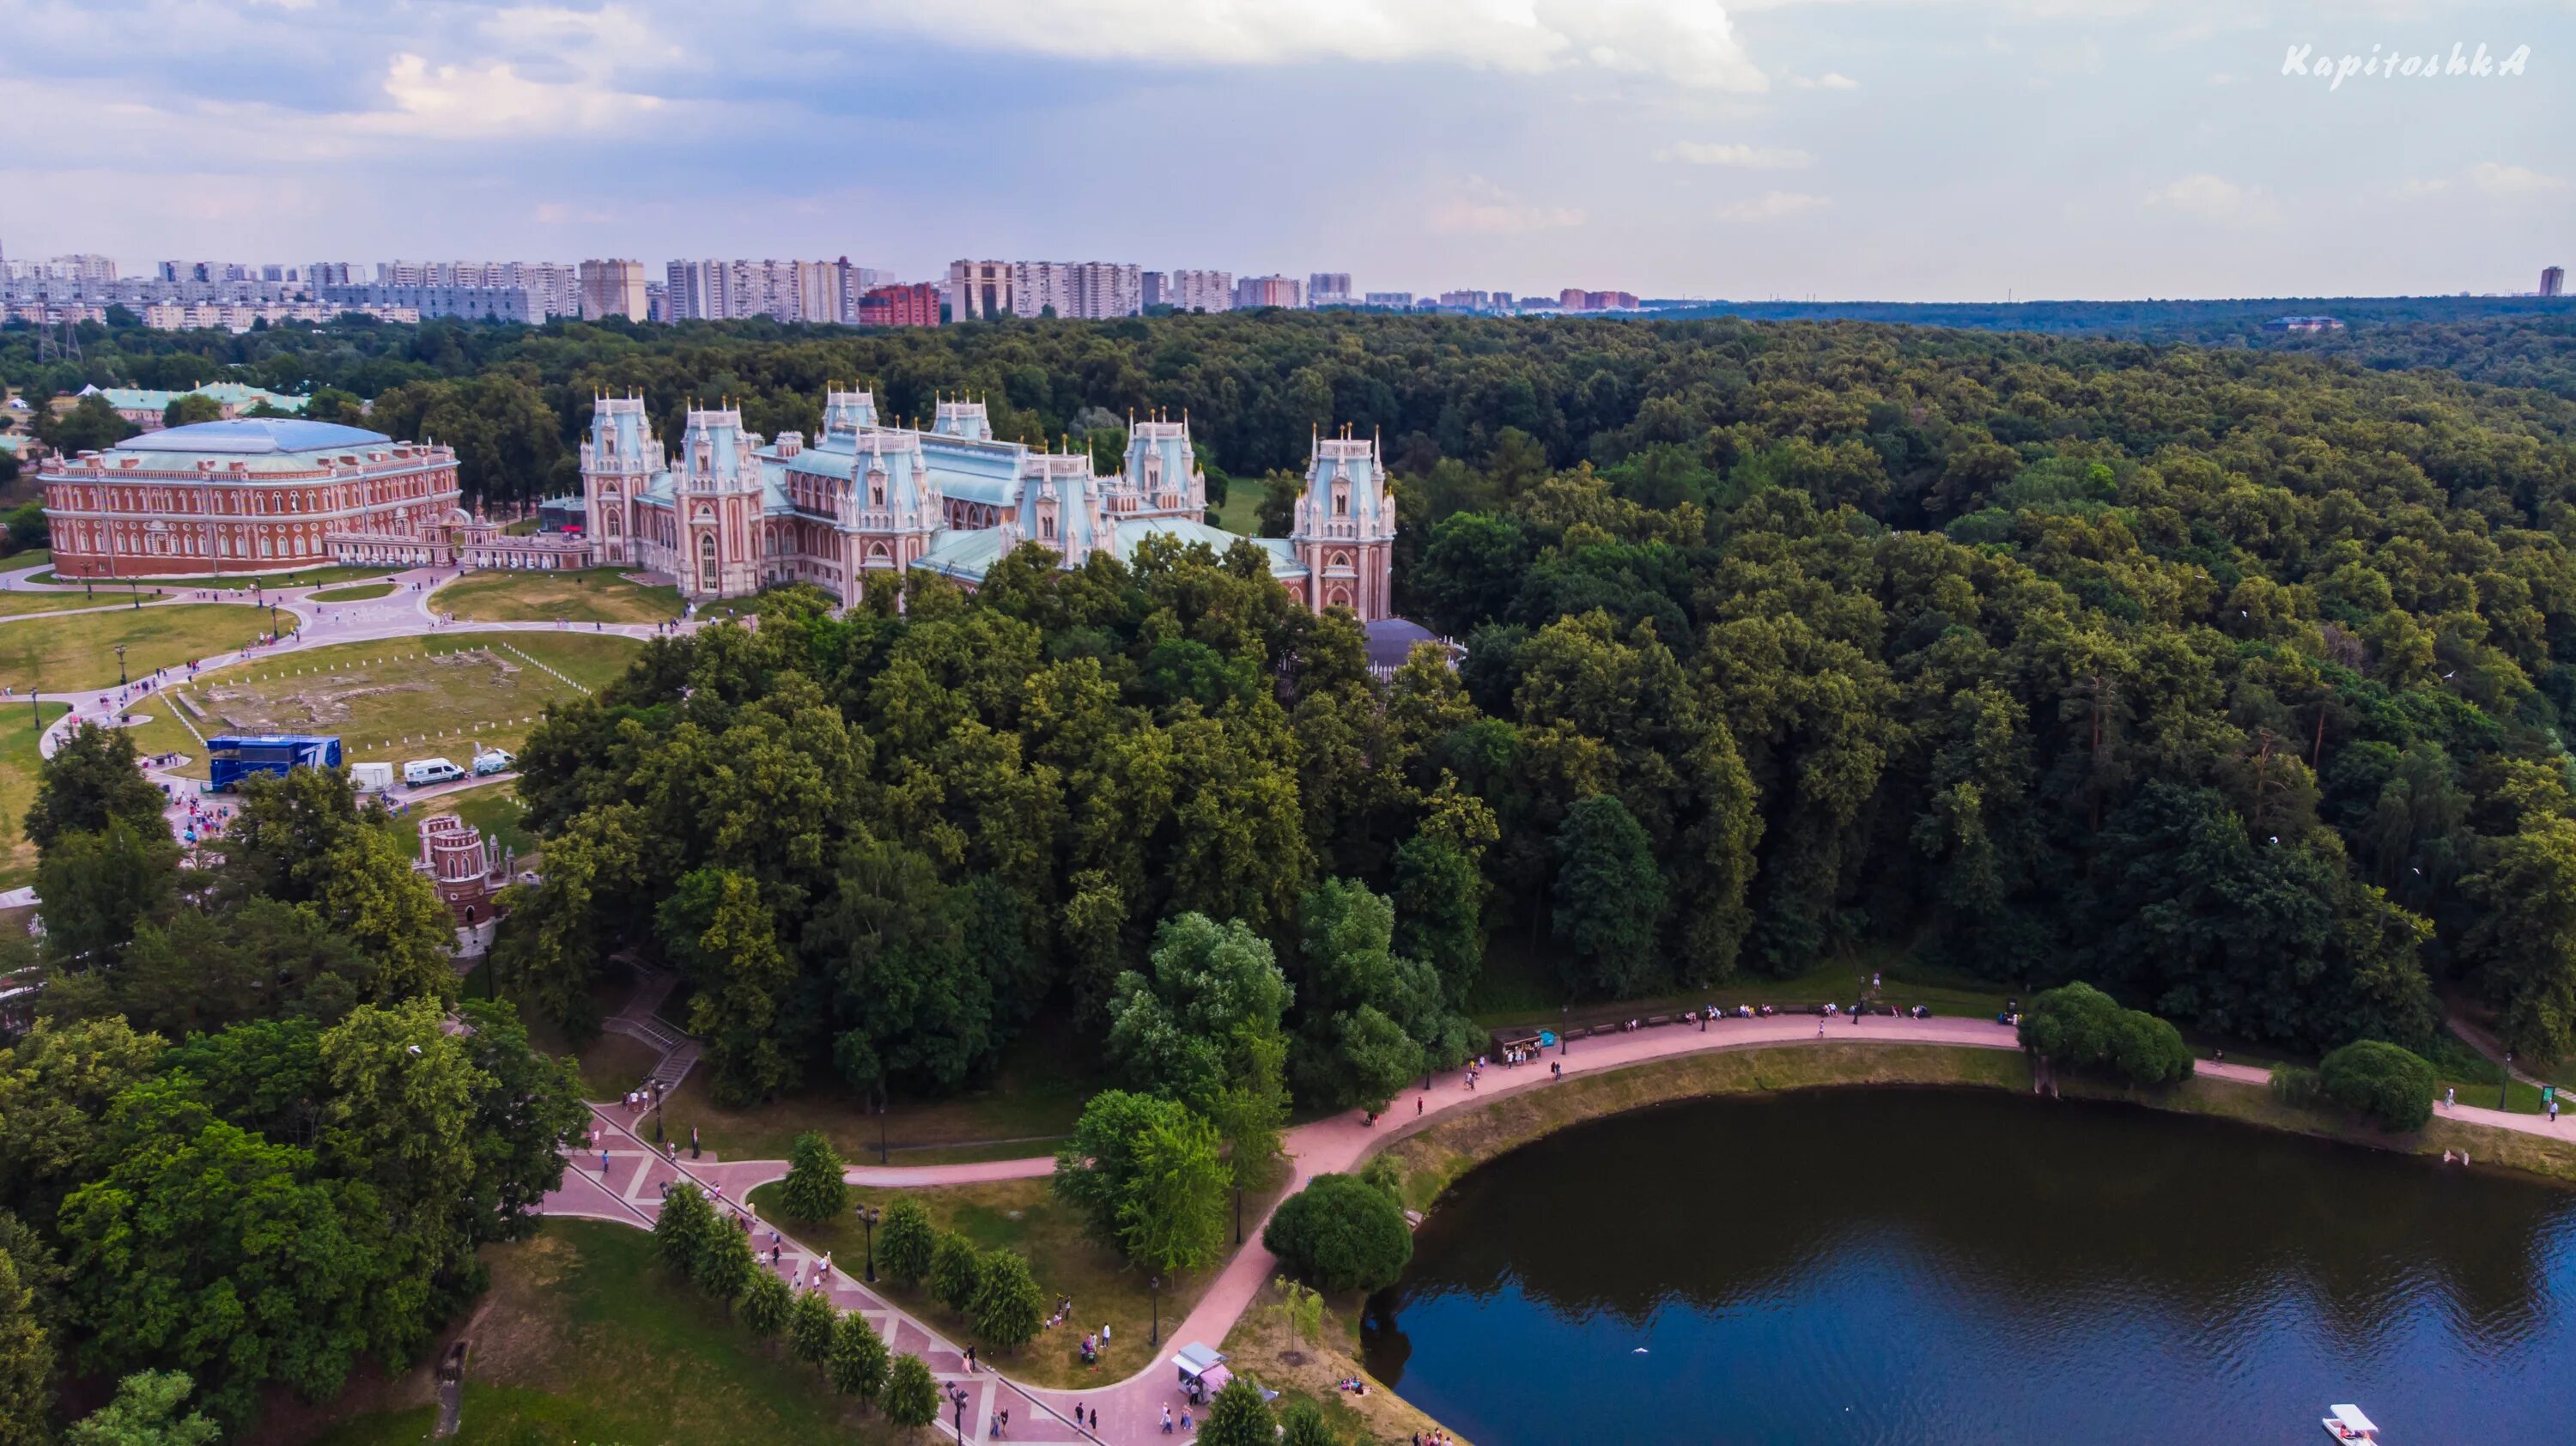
(493, 760)
(430, 770)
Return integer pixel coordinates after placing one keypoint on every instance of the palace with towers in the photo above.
(865, 504)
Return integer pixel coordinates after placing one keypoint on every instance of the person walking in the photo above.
(693, 1142)
(2450, 1097)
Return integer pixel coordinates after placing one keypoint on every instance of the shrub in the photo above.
(813, 1190)
(908, 1241)
(1008, 1308)
(955, 1269)
(2296, 1086)
(911, 1394)
(1303, 1424)
(2078, 1027)
(1238, 1417)
(725, 1264)
(2391, 1087)
(857, 1364)
(1340, 1233)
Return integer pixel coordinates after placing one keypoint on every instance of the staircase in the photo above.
(638, 1021)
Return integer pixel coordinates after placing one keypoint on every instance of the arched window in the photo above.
(706, 562)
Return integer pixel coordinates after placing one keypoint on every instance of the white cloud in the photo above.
(1479, 207)
(1773, 206)
(1830, 80)
(454, 102)
(2498, 179)
(2213, 198)
(1688, 42)
(1718, 153)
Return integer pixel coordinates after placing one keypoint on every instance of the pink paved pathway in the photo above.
(1131, 1410)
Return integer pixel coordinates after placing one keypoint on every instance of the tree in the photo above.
(909, 1243)
(908, 1000)
(1368, 1019)
(684, 1229)
(812, 1327)
(26, 1362)
(189, 408)
(724, 938)
(814, 1191)
(92, 778)
(857, 1366)
(765, 1304)
(1303, 1424)
(99, 889)
(955, 1271)
(1341, 1234)
(726, 1265)
(2391, 1087)
(1173, 1218)
(2523, 943)
(1609, 896)
(1213, 989)
(91, 425)
(145, 1412)
(55, 1087)
(1008, 1308)
(2078, 1027)
(911, 1394)
(1238, 1417)
(1096, 1170)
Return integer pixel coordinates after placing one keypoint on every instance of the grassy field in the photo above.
(359, 593)
(32, 557)
(18, 730)
(596, 596)
(17, 603)
(492, 807)
(1519, 987)
(583, 1339)
(246, 582)
(1032, 1101)
(1020, 1215)
(1264, 1348)
(391, 700)
(78, 653)
(1241, 513)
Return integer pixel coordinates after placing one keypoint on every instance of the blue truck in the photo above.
(235, 756)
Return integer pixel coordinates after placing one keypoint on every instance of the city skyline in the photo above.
(1855, 151)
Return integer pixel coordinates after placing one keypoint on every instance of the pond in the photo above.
(1930, 1266)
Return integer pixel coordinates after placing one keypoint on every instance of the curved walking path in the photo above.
(1131, 1409)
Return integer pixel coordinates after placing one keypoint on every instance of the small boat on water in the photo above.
(2348, 1424)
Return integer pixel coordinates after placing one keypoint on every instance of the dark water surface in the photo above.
(1933, 1266)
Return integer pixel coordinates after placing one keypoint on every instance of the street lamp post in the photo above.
(2505, 1094)
(1154, 1289)
(957, 1395)
(869, 1215)
(120, 665)
(884, 1103)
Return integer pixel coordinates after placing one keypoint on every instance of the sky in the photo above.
(1908, 150)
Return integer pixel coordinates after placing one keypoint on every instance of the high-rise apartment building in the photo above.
(1256, 291)
(1202, 291)
(1467, 300)
(1156, 287)
(1399, 300)
(979, 290)
(1089, 290)
(2553, 281)
(613, 287)
(1328, 288)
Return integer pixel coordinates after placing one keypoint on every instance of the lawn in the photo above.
(390, 700)
(1241, 513)
(18, 730)
(1021, 1215)
(583, 1338)
(1030, 1104)
(246, 582)
(78, 653)
(1519, 986)
(597, 596)
(1264, 1347)
(19, 603)
(493, 808)
(32, 557)
(360, 593)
